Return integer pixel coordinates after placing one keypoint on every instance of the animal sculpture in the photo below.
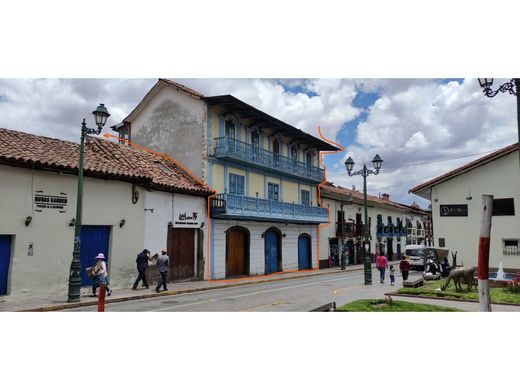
(460, 275)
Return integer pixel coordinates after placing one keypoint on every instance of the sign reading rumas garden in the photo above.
(453, 210)
(43, 201)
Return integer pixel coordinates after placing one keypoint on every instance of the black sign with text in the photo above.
(453, 210)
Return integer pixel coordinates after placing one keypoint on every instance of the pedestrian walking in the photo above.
(404, 266)
(100, 275)
(162, 264)
(382, 265)
(142, 265)
(392, 275)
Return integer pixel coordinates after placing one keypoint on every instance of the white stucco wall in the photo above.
(257, 248)
(105, 202)
(174, 123)
(499, 178)
(166, 208)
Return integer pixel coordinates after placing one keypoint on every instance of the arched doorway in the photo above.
(304, 252)
(273, 250)
(237, 251)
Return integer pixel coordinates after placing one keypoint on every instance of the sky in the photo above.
(421, 127)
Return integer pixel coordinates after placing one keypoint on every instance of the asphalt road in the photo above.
(293, 295)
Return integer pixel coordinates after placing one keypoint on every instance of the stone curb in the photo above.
(448, 299)
(174, 292)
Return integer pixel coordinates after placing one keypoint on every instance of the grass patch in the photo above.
(383, 305)
(497, 294)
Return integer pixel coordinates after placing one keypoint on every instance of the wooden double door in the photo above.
(181, 250)
(237, 252)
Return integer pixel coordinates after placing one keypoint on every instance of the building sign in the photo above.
(46, 201)
(188, 212)
(453, 210)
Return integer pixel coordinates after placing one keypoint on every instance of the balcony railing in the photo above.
(390, 231)
(350, 230)
(227, 147)
(244, 207)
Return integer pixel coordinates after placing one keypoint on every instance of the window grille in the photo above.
(511, 246)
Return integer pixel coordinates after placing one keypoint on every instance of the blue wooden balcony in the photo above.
(235, 150)
(232, 206)
(390, 231)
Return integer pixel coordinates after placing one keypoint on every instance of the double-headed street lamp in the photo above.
(513, 87)
(349, 164)
(100, 114)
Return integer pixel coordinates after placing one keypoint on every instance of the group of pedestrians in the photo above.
(163, 263)
(99, 272)
(382, 265)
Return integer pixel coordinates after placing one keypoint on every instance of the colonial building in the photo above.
(132, 199)
(265, 216)
(387, 225)
(456, 198)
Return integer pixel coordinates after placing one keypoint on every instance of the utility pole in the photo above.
(483, 253)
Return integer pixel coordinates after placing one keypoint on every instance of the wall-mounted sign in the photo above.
(43, 201)
(453, 210)
(188, 212)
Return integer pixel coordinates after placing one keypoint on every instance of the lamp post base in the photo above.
(74, 279)
(368, 271)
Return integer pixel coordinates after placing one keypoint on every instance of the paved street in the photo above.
(293, 295)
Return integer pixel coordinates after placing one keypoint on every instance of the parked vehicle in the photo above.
(419, 255)
(415, 254)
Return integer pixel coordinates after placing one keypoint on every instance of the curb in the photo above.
(172, 292)
(448, 299)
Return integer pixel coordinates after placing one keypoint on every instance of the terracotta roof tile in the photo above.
(183, 88)
(331, 188)
(103, 158)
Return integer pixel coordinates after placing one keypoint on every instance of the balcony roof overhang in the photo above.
(262, 119)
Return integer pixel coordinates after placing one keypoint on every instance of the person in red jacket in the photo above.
(404, 266)
(382, 265)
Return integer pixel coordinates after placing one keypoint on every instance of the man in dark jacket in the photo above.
(142, 265)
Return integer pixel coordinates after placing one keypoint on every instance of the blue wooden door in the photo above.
(272, 255)
(94, 240)
(5, 256)
(304, 251)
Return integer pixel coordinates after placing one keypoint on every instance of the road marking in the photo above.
(268, 305)
(339, 291)
(252, 293)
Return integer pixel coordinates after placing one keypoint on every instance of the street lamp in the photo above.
(513, 87)
(100, 115)
(349, 165)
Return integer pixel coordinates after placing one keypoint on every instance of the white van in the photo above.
(419, 255)
(415, 254)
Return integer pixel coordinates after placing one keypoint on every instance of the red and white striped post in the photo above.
(483, 253)
(101, 300)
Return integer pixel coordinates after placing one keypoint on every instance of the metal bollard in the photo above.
(101, 299)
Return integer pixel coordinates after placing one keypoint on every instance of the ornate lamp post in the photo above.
(100, 114)
(349, 165)
(513, 87)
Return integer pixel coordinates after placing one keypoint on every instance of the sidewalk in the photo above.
(59, 302)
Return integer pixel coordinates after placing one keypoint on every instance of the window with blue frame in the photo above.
(255, 139)
(273, 191)
(294, 154)
(308, 158)
(306, 197)
(230, 129)
(236, 184)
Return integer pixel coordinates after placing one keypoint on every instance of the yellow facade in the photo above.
(290, 191)
(256, 184)
(218, 178)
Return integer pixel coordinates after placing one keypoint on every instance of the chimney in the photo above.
(353, 187)
(386, 197)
